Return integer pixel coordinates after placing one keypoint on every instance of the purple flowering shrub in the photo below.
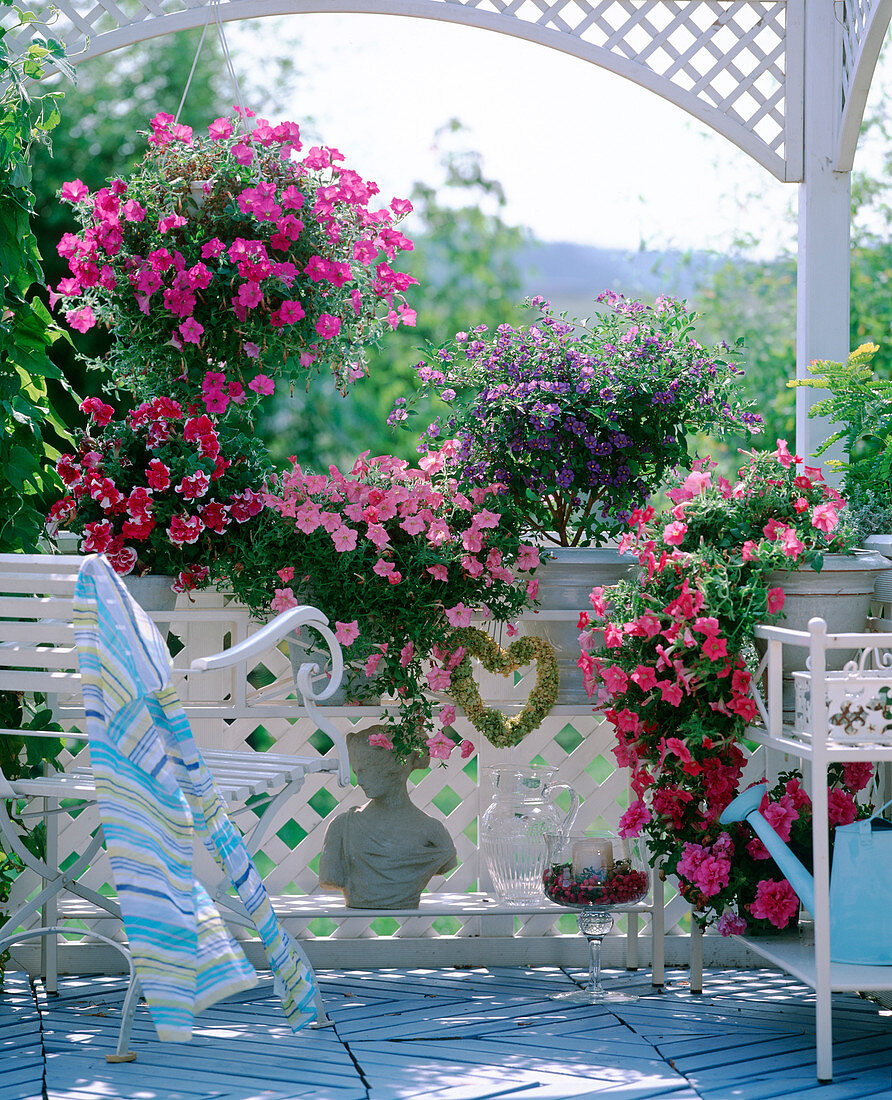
(581, 420)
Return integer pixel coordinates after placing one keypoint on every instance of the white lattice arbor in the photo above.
(785, 80)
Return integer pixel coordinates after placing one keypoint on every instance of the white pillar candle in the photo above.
(594, 854)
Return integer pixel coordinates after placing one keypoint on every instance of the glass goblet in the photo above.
(594, 874)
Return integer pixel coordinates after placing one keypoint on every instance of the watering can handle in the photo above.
(554, 789)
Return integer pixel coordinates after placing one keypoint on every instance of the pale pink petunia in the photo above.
(447, 715)
(283, 599)
(674, 533)
(528, 558)
(440, 746)
(381, 741)
(344, 539)
(460, 615)
(439, 679)
(438, 572)
(406, 654)
(346, 633)
(825, 518)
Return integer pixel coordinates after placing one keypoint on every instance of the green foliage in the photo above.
(31, 427)
(466, 260)
(29, 423)
(862, 403)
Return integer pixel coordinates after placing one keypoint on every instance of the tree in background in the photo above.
(467, 260)
(757, 298)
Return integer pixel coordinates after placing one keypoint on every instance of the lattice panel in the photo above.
(456, 793)
(855, 21)
(722, 60)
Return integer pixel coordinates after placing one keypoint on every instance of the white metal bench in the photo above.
(38, 655)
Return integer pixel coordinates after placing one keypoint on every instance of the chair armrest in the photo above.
(269, 636)
(285, 623)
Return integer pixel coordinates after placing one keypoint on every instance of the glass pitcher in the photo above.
(515, 825)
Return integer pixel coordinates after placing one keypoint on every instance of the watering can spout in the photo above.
(745, 807)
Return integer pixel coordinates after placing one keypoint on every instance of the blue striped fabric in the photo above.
(155, 793)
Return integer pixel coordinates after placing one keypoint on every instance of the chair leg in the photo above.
(658, 932)
(131, 1000)
(128, 1011)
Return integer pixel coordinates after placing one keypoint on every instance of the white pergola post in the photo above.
(822, 286)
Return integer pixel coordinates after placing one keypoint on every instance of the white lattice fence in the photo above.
(735, 64)
(578, 746)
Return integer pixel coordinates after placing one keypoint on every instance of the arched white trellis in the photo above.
(785, 80)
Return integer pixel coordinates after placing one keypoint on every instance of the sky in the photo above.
(584, 155)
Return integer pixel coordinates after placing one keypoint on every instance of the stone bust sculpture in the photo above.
(383, 855)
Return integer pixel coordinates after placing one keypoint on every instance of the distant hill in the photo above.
(570, 275)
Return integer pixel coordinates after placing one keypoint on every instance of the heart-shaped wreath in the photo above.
(495, 727)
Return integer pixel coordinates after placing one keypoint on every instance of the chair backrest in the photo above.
(37, 651)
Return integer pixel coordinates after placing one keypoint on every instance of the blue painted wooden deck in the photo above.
(451, 1034)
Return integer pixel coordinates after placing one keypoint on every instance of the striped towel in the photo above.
(155, 792)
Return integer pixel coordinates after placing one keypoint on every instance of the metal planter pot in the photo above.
(565, 582)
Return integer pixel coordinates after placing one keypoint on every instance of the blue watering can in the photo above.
(860, 880)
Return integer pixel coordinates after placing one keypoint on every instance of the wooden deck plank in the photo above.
(456, 1034)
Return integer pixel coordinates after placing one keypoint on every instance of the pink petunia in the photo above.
(262, 385)
(730, 924)
(674, 533)
(438, 572)
(841, 807)
(74, 191)
(528, 558)
(447, 715)
(219, 129)
(634, 819)
(81, 319)
(191, 331)
(775, 902)
(344, 539)
(439, 679)
(381, 741)
(714, 648)
(776, 599)
(467, 748)
(328, 326)
(856, 775)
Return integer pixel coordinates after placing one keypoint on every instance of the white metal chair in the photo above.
(37, 654)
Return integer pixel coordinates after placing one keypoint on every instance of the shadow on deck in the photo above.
(453, 1034)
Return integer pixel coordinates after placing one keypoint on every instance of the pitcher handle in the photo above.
(554, 789)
